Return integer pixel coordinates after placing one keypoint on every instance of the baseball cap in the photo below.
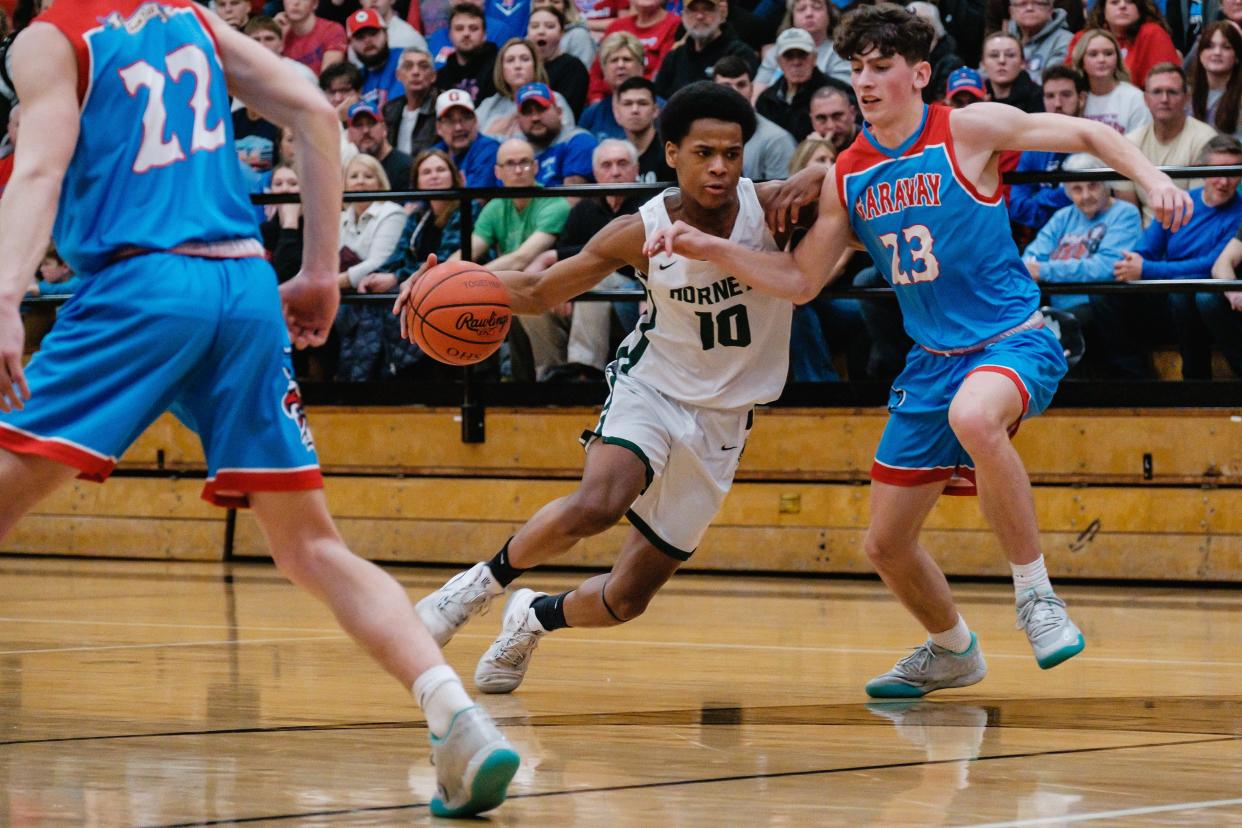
(363, 108)
(534, 92)
(795, 39)
(452, 98)
(364, 19)
(966, 79)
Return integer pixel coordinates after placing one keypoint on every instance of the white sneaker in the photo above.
(474, 765)
(466, 595)
(1052, 634)
(930, 667)
(503, 666)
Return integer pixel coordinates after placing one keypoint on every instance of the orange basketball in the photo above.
(459, 313)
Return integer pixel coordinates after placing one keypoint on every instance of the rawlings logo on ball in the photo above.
(492, 324)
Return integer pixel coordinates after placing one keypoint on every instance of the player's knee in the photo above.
(302, 563)
(977, 429)
(595, 511)
(884, 550)
(628, 601)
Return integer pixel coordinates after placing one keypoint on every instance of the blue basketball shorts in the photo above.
(918, 446)
(203, 338)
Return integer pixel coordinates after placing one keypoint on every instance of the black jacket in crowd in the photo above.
(424, 125)
(687, 64)
(795, 116)
(1025, 94)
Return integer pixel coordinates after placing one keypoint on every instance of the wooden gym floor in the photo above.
(160, 694)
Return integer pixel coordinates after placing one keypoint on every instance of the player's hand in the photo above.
(282, 20)
(1171, 205)
(679, 239)
(798, 191)
(13, 389)
(1234, 298)
(1129, 269)
(407, 288)
(309, 306)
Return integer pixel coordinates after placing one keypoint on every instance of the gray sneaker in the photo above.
(466, 595)
(1052, 634)
(474, 765)
(503, 666)
(930, 667)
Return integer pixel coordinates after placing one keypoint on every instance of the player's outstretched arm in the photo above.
(617, 245)
(797, 276)
(282, 96)
(45, 75)
(985, 128)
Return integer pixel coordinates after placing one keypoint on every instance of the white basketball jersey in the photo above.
(706, 338)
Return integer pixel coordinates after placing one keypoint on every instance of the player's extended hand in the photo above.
(1171, 205)
(407, 288)
(799, 190)
(1129, 269)
(309, 305)
(13, 389)
(679, 239)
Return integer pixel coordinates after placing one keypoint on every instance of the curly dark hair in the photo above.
(704, 99)
(886, 28)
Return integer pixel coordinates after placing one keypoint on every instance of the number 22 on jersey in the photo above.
(919, 242)
(155, 152)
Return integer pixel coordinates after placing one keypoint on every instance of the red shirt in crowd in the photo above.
(1150, 46)
(309, 48)
(657, 42)
(6, 171)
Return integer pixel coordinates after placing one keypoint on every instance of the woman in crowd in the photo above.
(1216, 80)
(620, 58)
(282, 232)
(818, 18)
(577, 39)
(517, 64)
(566, 74)
(1112, 99)
(1141, 33)
(369, 229)
(1007, 79)
(375, 349)
(812, 150)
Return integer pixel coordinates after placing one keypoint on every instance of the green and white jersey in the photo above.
(707, 339)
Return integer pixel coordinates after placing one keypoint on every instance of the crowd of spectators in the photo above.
(439, 94)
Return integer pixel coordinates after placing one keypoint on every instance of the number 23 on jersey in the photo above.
(919, 242)
(156, 152)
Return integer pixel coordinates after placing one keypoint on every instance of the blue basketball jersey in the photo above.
(155, 165)
(946, 249)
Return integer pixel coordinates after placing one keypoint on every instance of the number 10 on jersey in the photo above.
(919, 242)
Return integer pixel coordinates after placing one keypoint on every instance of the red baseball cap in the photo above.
(362, 20)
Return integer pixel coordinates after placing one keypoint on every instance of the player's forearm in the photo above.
(524, 294)
(1123, 155)
(319, 175)
(1225, 266)
(775, 273)
(27, 212)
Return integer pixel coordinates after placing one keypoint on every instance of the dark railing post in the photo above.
(473, 415)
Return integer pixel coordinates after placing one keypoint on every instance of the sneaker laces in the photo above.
(516, 647)
(465, 602)
(1041, 614)
(916, 662)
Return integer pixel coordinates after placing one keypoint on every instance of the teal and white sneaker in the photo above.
(930, 667)
(474, 765)
(1052, 634)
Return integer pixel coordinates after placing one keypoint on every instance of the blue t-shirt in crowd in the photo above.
(1074, 248)
(1190, 252)
(478, 163)
(571, 156)
(379, 86)
(1031, 205)
(506, 19)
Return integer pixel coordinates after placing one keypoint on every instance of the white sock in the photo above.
(440, 694)
(1030, 576)
(955, 639)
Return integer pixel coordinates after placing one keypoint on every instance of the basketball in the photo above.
(459, 313)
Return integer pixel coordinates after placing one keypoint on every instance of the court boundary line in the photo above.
(1088, 817)
(704, 781)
